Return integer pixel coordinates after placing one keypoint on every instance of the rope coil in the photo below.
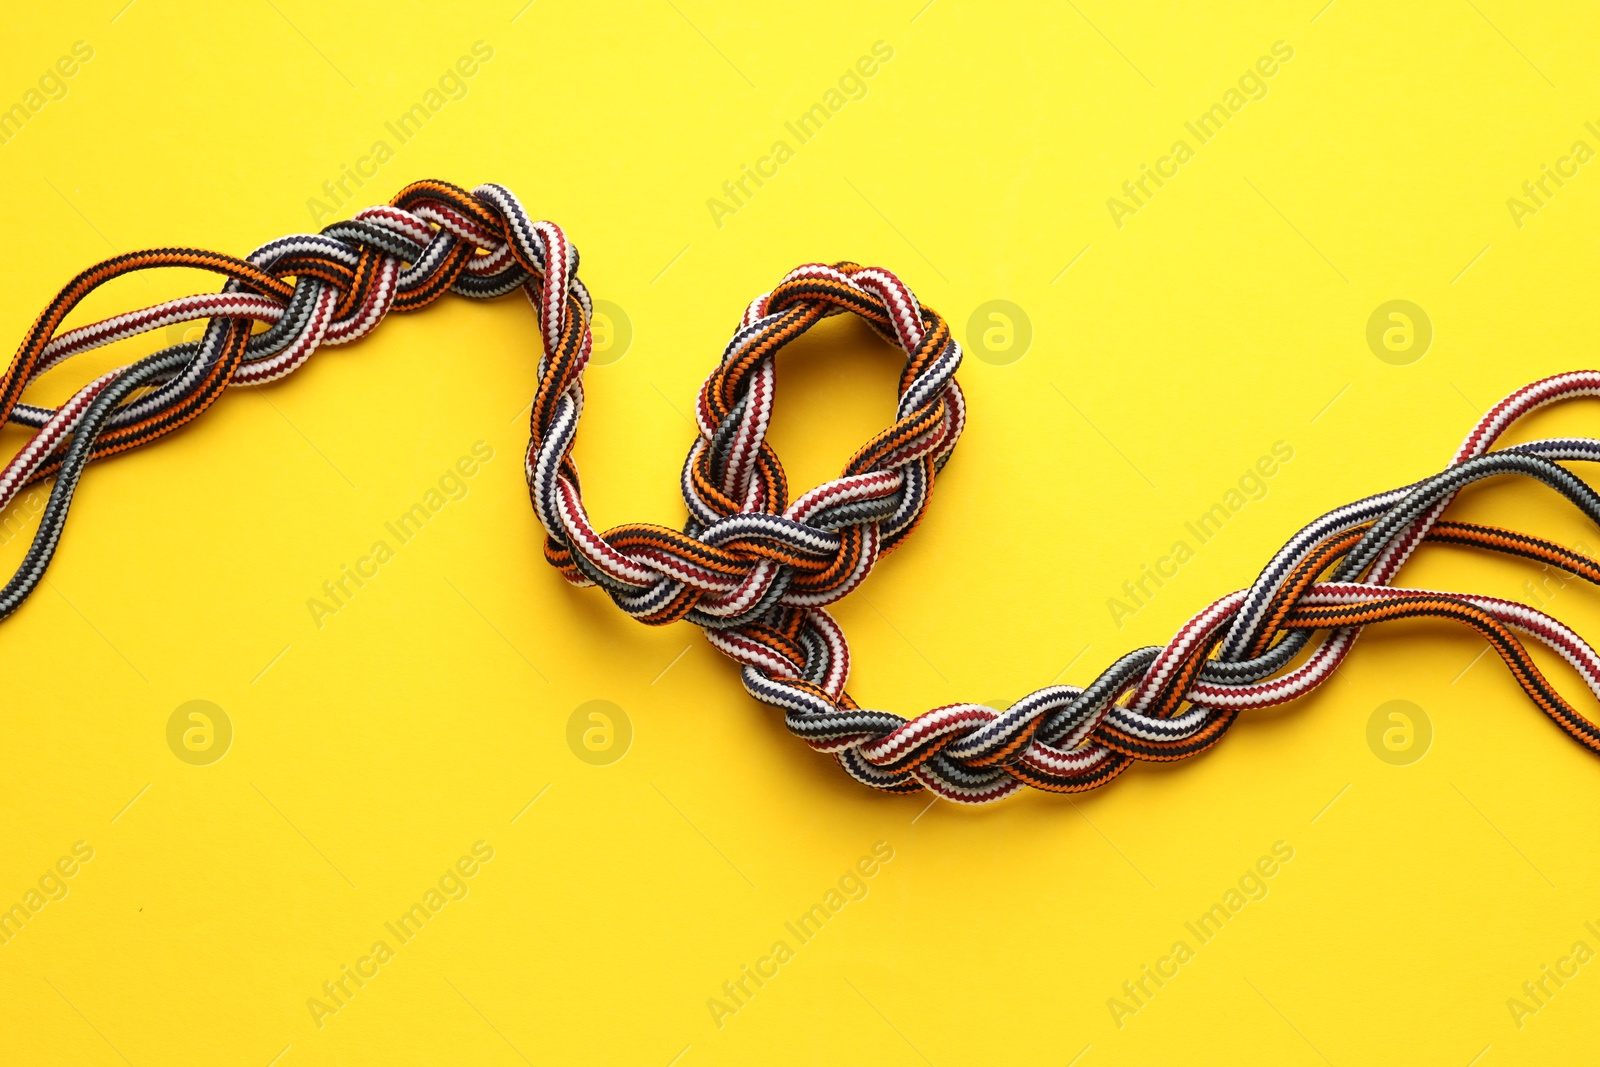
(755, 569)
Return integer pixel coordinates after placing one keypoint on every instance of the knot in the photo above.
(747, 552)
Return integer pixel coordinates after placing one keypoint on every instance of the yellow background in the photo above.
(1229, 313)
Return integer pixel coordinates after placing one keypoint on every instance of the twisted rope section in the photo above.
(1173, 702)
(754, 569)
(434, 238)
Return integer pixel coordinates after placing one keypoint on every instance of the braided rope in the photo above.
(756, 570)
